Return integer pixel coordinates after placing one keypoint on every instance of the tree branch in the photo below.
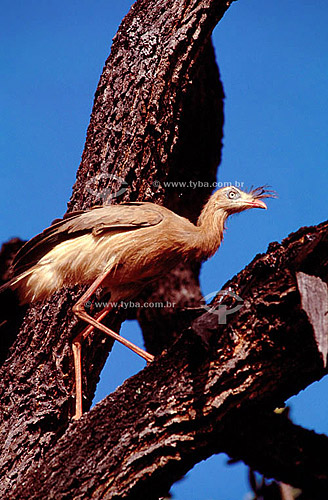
(209, 385)
(276, 447)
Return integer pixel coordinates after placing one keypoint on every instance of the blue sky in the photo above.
(273, 62)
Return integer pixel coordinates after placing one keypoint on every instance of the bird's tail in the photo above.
(6, 285)
(16, 282)
(11, 313)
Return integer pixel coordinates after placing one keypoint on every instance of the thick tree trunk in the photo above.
(159, 80)
(158, 117)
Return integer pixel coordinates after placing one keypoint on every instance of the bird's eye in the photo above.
(233, 195)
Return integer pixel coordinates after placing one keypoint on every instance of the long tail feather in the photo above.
(16, 281)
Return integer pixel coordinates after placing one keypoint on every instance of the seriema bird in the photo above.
(120, 248)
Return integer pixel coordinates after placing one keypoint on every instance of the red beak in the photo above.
(257, 204)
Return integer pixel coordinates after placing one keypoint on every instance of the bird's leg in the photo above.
(76, 346)
(77, 355)
(79, 310)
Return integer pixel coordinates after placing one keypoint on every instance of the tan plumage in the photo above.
(122, 247)
(133, 242)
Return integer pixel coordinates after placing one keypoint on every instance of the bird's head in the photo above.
(224, 202)
(232, 200)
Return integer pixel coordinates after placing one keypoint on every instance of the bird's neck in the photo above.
(210, 226)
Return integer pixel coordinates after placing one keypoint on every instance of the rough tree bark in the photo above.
(157, 116)
(214, 390)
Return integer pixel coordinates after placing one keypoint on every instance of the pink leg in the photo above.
(79, 310)
(77, 350)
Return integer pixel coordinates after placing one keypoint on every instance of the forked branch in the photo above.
(213, 391)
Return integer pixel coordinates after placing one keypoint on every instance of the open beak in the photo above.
(256, 204)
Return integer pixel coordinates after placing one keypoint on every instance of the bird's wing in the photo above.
(97, 220)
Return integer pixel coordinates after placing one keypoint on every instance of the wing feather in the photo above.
(97, 220)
